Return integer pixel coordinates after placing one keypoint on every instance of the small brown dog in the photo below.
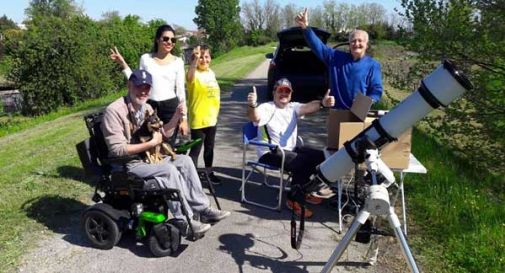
(153, 123)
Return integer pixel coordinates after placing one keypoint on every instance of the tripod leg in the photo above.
(339, 197)
(342, 245)
(395, 223)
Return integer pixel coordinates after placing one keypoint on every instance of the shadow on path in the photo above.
(239, 247)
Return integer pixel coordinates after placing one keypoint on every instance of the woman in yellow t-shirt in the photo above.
(203, 106)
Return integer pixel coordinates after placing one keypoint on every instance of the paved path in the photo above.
(250, 240)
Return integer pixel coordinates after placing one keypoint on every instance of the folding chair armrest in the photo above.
(262, 143)
(299, 142)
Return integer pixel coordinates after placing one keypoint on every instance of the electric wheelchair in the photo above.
(125, 202)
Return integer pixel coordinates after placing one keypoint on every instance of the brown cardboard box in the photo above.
(343, 125)
(358, 113)
(394, 154)
(335, 118)
(361, 105)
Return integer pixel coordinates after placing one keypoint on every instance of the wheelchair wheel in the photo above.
(101, 230)
(172, 240)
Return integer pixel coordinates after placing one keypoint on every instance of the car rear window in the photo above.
(300, 60)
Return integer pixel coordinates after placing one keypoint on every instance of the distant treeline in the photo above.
(262, 21)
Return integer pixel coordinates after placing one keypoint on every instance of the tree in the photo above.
(111, 16)
(329, 8)
(472, 33)
(289, 13)
(6, 23)
(221, 21)
(57, 8)
(376, 13)
(316, 17)
(56, 64)
(272, 18)
(253, 15)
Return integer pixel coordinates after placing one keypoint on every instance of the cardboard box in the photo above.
(394, 154)
(335, 118)
(343, 125)
(357, 113)
(361, 105)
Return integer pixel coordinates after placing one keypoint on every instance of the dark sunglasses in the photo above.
(166, 39)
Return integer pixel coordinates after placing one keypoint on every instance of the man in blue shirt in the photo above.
(349, 73)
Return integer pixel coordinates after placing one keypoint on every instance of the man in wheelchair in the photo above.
(277, 124)
(123, 118)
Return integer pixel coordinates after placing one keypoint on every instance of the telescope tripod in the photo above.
(376, 203)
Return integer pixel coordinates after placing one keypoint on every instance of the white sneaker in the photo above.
(213, 215)
(199, 227)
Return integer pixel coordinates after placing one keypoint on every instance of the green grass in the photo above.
(14, 123)
(458, 212)
(42, 187)
(237, 63)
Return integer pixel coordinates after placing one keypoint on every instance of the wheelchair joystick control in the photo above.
(137, 209)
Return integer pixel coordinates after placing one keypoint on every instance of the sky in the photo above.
(180, 12)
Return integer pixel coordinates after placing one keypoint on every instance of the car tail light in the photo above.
(272, 65)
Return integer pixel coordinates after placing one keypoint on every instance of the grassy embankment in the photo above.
(42, 187)
(457, 213)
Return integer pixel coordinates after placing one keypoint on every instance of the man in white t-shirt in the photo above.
(277, 124)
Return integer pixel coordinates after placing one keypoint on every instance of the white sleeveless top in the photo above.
(168, 79)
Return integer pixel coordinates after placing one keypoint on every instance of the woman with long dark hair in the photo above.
(168, 74)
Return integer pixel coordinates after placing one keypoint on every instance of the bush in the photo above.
(257, 38)
(57, 64)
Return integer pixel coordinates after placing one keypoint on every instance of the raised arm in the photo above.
(118, 58)
(323, 52)
(195, 57)
(252, 105)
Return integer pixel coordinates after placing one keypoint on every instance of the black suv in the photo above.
(294, 60)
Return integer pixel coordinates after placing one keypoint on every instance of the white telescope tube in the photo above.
(440, 88)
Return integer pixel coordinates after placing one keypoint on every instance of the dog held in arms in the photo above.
(152, 123)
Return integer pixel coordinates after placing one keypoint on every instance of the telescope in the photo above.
(445, 84)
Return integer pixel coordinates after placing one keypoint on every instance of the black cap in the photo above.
(140, 77)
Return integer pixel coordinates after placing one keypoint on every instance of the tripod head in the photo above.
(376, 166)
(363, 149)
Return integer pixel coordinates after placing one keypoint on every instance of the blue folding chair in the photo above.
(249, 134)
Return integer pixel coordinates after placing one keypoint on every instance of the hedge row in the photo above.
(58, 62)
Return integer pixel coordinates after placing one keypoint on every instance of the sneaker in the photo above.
(214, 179)
(213, 215)
(324, 192)
(198, 227)
(313, 199)
(298, 209)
